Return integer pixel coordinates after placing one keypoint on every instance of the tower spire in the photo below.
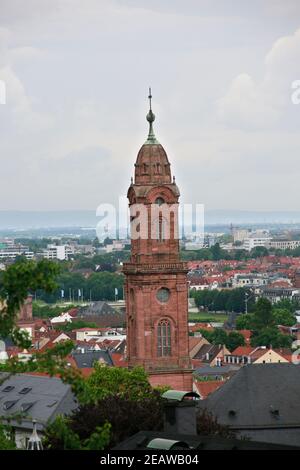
(151, 118)
(150, 98)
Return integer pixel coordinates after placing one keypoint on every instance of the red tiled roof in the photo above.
(206, 388)
(242, 351)
(73, 312)
(200, 326)
(119, 360)
(194, 340)
(87, 329)
(247, 335)
(87, 371)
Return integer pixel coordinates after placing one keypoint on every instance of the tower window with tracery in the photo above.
(164, 338)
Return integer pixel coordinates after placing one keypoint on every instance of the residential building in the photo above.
(88, 359)
(60, 252)
(84, 249)
(210, 354)
(195, 344)
(102, 314)
(25, 397)
(283, 244)
(205, 388)
(250, 280)
(223, 372)
(257, 355)
(86, 334)
(275, 294)
(253, 242)
(239, 235)
(192, 246)
(64, 317)
(116, 245)
(12, 252)
(260, 402)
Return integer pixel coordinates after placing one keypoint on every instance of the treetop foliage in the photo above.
(16, 282)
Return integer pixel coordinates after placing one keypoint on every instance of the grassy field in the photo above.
(207, 317)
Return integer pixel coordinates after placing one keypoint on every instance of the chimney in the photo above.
(180, 412)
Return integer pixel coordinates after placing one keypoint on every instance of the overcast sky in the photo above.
(77, 74)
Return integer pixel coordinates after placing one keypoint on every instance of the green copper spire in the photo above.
(150, 118)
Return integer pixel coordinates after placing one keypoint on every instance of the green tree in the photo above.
(217, 252)
(244, 322)
(102, 285)
(219, 337)
(126, 416)
(207, 424)
(15, 282)
(233, 340)
(236, 300)
(75, 325)
(291, 305)
(259, 251)
(96, 242)
(121, 397)
(220, 300)
(263, 314)
(283, 316)
(7, 441)
(105, 381)
(59, 435)
(270, 336)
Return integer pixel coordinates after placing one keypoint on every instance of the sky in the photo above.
(77, 73)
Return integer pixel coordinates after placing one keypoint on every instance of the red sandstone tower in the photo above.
(156, 284)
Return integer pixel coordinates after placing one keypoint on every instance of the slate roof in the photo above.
(258, 395)
(87, 359)
(216, 370)
(42, 397)
(96, 308)
(102, 314)
(212, 350)
(140, 440)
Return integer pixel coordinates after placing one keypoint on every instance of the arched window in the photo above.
(160, 229)
(164, 338)
(159, 201)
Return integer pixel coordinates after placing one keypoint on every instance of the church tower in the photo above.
(156, 288)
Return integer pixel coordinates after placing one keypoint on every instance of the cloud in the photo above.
(261, 103)
(19, 107)
(78, 74)
(245, 104)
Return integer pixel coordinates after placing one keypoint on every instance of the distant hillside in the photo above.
(24, 220)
